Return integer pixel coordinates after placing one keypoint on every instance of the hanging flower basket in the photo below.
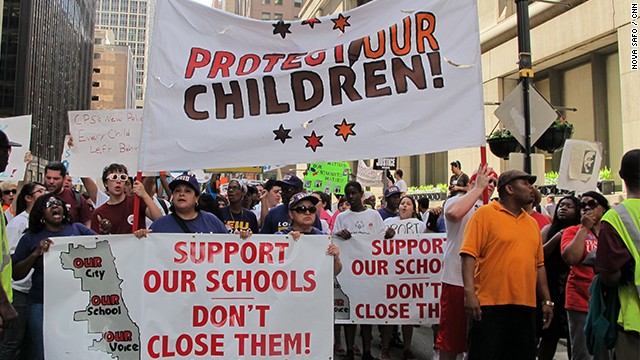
(554, 137)
(502, 143)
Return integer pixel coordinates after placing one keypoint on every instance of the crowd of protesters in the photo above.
(517, 276)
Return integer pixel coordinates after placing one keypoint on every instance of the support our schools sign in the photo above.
(389, 78)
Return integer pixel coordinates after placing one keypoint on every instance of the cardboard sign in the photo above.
(18, 129)
(329, 178)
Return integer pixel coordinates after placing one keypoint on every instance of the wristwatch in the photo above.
(548, 302)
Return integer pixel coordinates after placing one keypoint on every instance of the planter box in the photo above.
(553, 139)
(502, 147)
(606, 187)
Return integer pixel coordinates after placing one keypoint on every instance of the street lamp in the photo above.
(526, 73)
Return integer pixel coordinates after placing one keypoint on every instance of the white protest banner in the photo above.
(102, 137)
(390, 78)
(391, 281)
(18, 130)
(368, 176)
(188, 296)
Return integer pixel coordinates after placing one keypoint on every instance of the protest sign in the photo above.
(18, 129)
(368, 176)
(580, 166)
(102, 137)
(189, 296)
(389, 281)
(328, 177)
(391, 78)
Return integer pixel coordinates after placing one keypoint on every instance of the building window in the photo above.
(95, 98)
(266, 2)
(277, 2)
(97, 56)
(266, 16)
(98, 41)
(96, 70)
(297, 3)
(95, 84)
(506, 8)
(277, 16)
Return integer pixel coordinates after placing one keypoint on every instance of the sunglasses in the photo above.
(592, 204)
(121, 177)
(304, 209)
(38, 191)
(7, 192)
(53, 202)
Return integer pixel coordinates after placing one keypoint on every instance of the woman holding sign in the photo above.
(406, 223)
(49, 218)
(346, 225)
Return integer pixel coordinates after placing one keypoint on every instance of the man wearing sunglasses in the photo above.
(8, 314)
(116, 215)
(617, 258)
(54, 174)
(502, 269)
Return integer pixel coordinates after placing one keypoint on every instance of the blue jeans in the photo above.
(35, 329)
(16, 338)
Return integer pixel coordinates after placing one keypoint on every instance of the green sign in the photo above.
(329, 177)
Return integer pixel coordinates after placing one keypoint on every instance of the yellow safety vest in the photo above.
(5, 268)
(625, 219)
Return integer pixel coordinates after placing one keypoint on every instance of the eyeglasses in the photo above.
(234, 188)
(43, 190)
(492, 181)
(7, 192)
(53, 202)
(304, 209)
(115, 176)
(592, 204)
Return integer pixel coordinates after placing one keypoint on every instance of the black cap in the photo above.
(5, 143)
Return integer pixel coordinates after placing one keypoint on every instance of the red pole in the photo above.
(136, 205)
(483, 161)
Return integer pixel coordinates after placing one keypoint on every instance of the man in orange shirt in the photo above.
(502, 268)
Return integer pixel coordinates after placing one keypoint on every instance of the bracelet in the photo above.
(548, 303)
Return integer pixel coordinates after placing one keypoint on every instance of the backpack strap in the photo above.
(183, 225)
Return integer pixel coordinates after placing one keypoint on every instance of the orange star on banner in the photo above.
(345, 129)
(341, 22)
(313, 141)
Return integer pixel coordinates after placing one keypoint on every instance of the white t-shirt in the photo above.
(15, 229)
(402, 185)
(452, 265)
(409, 226)
(367, 222)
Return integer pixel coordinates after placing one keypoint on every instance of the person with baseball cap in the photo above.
(8, 315)
(278, 219)
(392, 196)
(185, 216)
(502, 269)
(452, 333)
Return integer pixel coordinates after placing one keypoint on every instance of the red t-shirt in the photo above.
(120, 215)
(580, 276)
(540, 219)
(79, 212)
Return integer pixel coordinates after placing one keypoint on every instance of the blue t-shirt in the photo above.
(314, 231)
(243, 221)
(204, 223)
(386, 214)
(278, 219)
(30, 241)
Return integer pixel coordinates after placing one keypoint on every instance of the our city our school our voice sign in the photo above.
(386, 79)
(389, 281)
(188, 296)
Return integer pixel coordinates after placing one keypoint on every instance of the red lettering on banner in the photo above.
(222, 61)
(92, 262)
(170, 281)
(383, 311)
(369, 267)
(418, 266)
(260, 281)
(273, 344)
(231, 315)
(247, 252)
(255, 62)
(406, 291)
(185, 345)
(198, 58)
(293, 61)
(272, 61)
(407, 246)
